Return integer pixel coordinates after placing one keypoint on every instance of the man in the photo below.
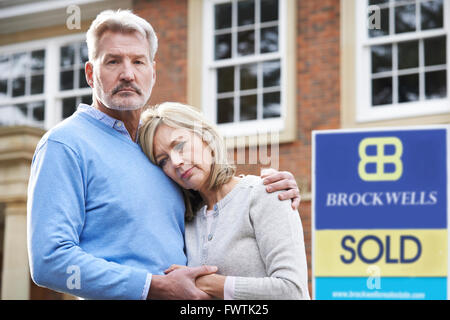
(104, 223)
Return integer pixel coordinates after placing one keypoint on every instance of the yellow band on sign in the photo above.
(417, 253)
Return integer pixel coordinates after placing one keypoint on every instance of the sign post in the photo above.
(380, 213)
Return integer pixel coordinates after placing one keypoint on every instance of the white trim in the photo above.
(364, 110)
(41, 6)
(209, 84)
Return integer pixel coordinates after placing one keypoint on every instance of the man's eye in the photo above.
(112, 62)
(139, 62)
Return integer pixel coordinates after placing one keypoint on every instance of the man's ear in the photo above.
(154, 72)
(89, 72)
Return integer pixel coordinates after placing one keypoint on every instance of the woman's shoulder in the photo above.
(260, 198)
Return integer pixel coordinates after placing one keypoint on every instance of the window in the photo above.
(244, 65)
(42, 82)
(22, 81)
(403, 60)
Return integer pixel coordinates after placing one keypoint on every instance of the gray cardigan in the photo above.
(256, 238)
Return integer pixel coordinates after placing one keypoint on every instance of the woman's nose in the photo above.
(177, 159)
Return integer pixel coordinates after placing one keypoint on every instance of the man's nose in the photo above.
(127, 72)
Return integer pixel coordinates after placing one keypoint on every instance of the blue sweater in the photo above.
(100, 215)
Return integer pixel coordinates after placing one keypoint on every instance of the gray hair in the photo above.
(181, 116)
(119, 21)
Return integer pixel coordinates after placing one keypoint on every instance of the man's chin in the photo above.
(125, 106)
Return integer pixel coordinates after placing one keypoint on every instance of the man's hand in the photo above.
(282, 180)
(179, 284)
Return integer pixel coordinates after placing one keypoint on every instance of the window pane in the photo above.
(84, 56)
(405, 18)
(435, 51)
(381, 91)
(18, 87)
(22, 108)
(4, 66)
(222, 13)
(246, 12)
(38, 110)
(436, 84)
(37, 84)
(269, 39)
(381, 58)
(271, 105)
(86, 99)
(3, 88)
(248, 108)
(384, 25)
(225, 110)
(82, 79)
(269, 10)
(271, 73)
(13, 114)
(67, 56)
(19, 64)
(246, 43)
(371, 2)
(225, 79)
(69, 106)
(223, 46)
(249, 76)
(408, 54)
(408, 88)
(66, 81)
(37, 60)
(432, 14)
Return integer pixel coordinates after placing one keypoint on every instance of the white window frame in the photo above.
(364, 110)
(209, 83)
(52, 94)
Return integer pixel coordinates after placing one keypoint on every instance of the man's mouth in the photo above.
(126, 89)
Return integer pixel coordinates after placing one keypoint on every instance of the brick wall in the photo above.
(169, 19)
(318, 88)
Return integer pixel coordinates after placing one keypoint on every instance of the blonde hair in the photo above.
(181, 116)
(119, 21)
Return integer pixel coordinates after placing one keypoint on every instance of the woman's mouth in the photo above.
(187, 173)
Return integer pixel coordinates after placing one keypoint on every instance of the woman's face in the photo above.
(183, 156)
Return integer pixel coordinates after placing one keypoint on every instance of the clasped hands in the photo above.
(203, 278)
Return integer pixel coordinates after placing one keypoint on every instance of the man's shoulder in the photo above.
(69, 130)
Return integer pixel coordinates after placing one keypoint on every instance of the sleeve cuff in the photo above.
(148, 281)
(228, 288)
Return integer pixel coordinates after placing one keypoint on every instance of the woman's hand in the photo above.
(279, 181)
(212, 284)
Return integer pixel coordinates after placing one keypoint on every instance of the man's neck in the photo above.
(130, 118)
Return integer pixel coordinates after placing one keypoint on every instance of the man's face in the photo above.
(122, 76)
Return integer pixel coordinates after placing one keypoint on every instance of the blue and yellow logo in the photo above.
(380, 159)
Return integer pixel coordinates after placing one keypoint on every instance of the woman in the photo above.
(254, 239)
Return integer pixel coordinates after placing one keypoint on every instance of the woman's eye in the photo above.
(179, 146)
(162, 163)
